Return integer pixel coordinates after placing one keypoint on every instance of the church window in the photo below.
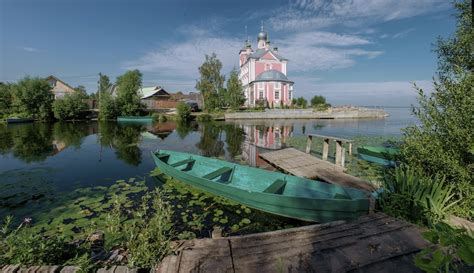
(277, 94)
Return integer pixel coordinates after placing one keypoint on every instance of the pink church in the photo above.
(263, 74)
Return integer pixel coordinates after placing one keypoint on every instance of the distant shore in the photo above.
(331, 113)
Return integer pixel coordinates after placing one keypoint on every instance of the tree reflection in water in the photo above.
(124, 138)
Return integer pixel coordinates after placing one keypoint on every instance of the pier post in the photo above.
(343, 156)
(308, 143)
(338, 152)
(325, 149)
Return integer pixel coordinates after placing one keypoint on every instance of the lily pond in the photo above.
(66, 176)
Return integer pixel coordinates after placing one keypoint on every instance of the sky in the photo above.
(358, 52)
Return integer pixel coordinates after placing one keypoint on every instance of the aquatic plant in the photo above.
(408, 195)
(22, 245)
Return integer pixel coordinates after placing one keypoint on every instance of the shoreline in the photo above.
(331, 113)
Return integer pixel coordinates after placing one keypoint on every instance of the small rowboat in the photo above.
(137, 119)
(272, 192)
(19, 120)
(379, 155)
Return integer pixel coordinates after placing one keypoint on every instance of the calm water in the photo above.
(66, 156)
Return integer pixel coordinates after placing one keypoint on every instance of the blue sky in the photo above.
(362, 52)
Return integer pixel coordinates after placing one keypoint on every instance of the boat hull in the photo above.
(302, 208)
(379, 155)
(19, 120)
(135, 119)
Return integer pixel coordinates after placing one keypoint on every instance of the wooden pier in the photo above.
(373, 243)
(303, 164)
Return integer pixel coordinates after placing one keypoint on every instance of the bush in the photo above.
(148, 237)
(421, 200)
(70, 107)
(453, 250)
(33, 98)
(300, 102)
(184, 111)
(23, 246)
(5, 99)
(204, 117)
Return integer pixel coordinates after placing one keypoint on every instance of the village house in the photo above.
(59, 87)
(263, 74)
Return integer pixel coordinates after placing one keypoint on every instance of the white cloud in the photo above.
(317, 14)
(28, 49)
(403, 33)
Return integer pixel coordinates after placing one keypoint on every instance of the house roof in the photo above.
(272, 75)
(259, 53)
(147, 92)
(59, 80)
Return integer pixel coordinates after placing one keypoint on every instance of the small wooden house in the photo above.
(59, 87)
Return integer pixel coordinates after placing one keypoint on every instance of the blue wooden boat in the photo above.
(272, 192)
(136, 119)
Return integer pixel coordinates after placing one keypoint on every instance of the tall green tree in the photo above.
(6, 99)
(81, 90)
(235, 91)
(443, 141)
(104, 83)
(211, 82)
(32, 97)
(128, 98)
(107, 107)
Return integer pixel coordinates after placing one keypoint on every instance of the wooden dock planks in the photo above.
(373, 243)
(302, 164)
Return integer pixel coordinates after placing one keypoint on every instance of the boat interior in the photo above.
(254, 179)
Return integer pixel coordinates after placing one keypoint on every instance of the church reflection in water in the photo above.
(260, 138)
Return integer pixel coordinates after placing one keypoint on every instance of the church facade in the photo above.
(263, 74)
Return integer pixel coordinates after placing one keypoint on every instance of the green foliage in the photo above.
(318, 100)
(183, 111)
(107, 107)
(33, 98)
(300, 102)
(6, 99)
(22, 245)
(319, 103)
(261, 104)
(69, 107)
(211, 82)
(443, 143)
(235, 92)
(128, 98)
(149, 237)
(204, 117)
(159, 117)
(453, 252)
(104, 84)
(418, 199)
(82, 91)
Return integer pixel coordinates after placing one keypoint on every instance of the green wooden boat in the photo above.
(379, 155)
(272, 192)
(139, 119)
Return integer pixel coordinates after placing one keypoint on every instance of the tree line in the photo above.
(32, 97)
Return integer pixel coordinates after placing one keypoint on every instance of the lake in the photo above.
(57, 158)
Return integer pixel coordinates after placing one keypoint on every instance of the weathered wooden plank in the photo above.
(12, 268)
(205, 255)
(301, 164)
(367, 243)
(49, 269)
(70, 269)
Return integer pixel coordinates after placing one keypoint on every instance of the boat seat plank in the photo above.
(183, 162)
(160, 156)
(277, 187)
(217, 173)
